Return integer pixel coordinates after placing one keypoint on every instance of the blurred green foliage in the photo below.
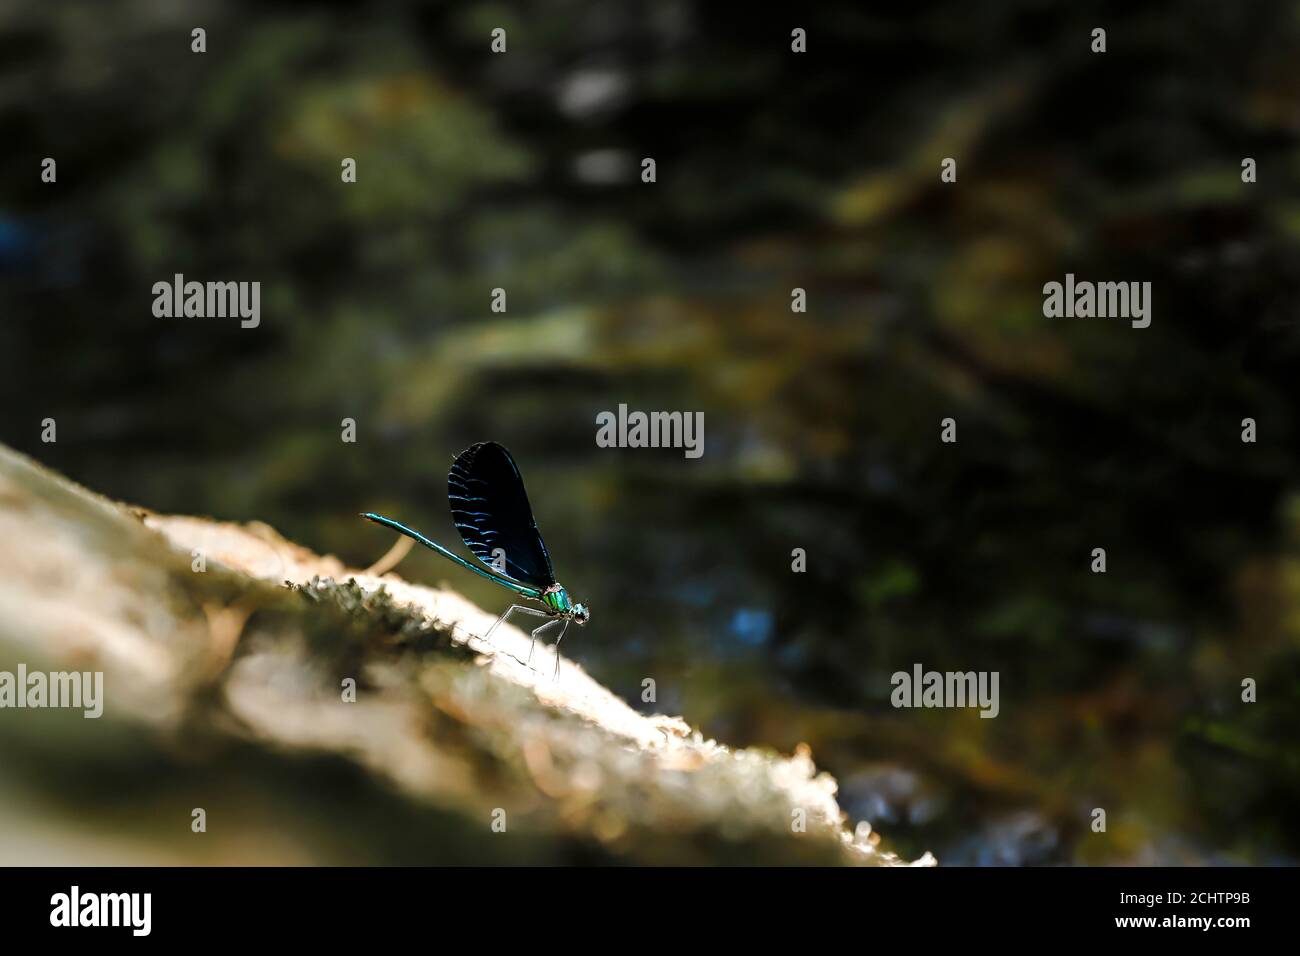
(774, 171)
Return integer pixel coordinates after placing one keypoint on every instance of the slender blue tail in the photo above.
(433, 545)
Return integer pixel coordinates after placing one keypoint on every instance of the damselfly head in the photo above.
(580, 613)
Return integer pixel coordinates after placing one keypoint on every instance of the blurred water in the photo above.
(775, 171)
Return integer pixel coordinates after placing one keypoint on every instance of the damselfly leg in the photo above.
(557, 649)
(537, 631)
(510, 610)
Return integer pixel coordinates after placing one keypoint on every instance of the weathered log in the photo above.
(229, 656)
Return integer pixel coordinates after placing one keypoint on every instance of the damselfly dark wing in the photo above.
(491, 511)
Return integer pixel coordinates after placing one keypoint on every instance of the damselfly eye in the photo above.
(581, 614)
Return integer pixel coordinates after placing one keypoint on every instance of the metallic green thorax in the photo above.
(557, 599)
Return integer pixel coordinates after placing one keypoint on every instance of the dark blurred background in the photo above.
(775, 170)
